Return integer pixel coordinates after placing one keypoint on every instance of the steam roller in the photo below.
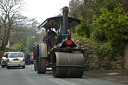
(57, 50)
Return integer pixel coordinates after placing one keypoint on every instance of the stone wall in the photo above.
(95, 62)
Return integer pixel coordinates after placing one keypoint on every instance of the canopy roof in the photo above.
(54, 22)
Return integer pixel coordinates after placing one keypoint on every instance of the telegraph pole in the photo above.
(27, 44)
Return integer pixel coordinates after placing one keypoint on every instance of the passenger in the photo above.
(45, 38)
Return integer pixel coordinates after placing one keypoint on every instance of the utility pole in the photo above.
(33, 39)
(27, 44)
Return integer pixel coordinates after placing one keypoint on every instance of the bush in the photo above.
(110, 27)
(83, 29)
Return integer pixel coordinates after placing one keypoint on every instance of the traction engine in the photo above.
(58, 50)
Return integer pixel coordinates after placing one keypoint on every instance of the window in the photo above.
(13, 55)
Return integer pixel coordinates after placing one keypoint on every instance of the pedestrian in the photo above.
(28, 59)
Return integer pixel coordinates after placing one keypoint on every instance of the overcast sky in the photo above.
(43, 9)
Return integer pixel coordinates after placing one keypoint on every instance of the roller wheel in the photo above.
(68, 65)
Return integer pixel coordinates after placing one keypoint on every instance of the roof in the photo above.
(54, 21)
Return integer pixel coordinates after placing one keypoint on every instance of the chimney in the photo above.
(65, 20)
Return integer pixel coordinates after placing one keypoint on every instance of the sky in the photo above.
(43, 9)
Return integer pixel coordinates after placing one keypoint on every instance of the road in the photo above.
(27, 76)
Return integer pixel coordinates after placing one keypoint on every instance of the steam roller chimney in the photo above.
(65, 20)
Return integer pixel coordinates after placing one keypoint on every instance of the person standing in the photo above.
(28, 59)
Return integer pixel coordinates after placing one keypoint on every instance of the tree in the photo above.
(125, 4)
(111, 25)
(109, 4)
(8, 10)
(74, 7)
(18, 46)
(83, 29)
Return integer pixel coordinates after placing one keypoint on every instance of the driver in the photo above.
(49, 38)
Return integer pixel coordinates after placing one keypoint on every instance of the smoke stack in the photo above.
(65, 20)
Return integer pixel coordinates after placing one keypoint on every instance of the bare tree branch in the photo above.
(8, 10)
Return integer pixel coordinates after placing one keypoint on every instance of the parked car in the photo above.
(4, 59)
(15, 59)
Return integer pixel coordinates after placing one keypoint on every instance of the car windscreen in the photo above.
(13, 55)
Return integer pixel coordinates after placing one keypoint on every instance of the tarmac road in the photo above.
(27, 76)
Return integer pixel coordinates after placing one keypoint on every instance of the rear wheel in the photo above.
(41, 66)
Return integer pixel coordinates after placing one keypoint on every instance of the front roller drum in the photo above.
(69, 65)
